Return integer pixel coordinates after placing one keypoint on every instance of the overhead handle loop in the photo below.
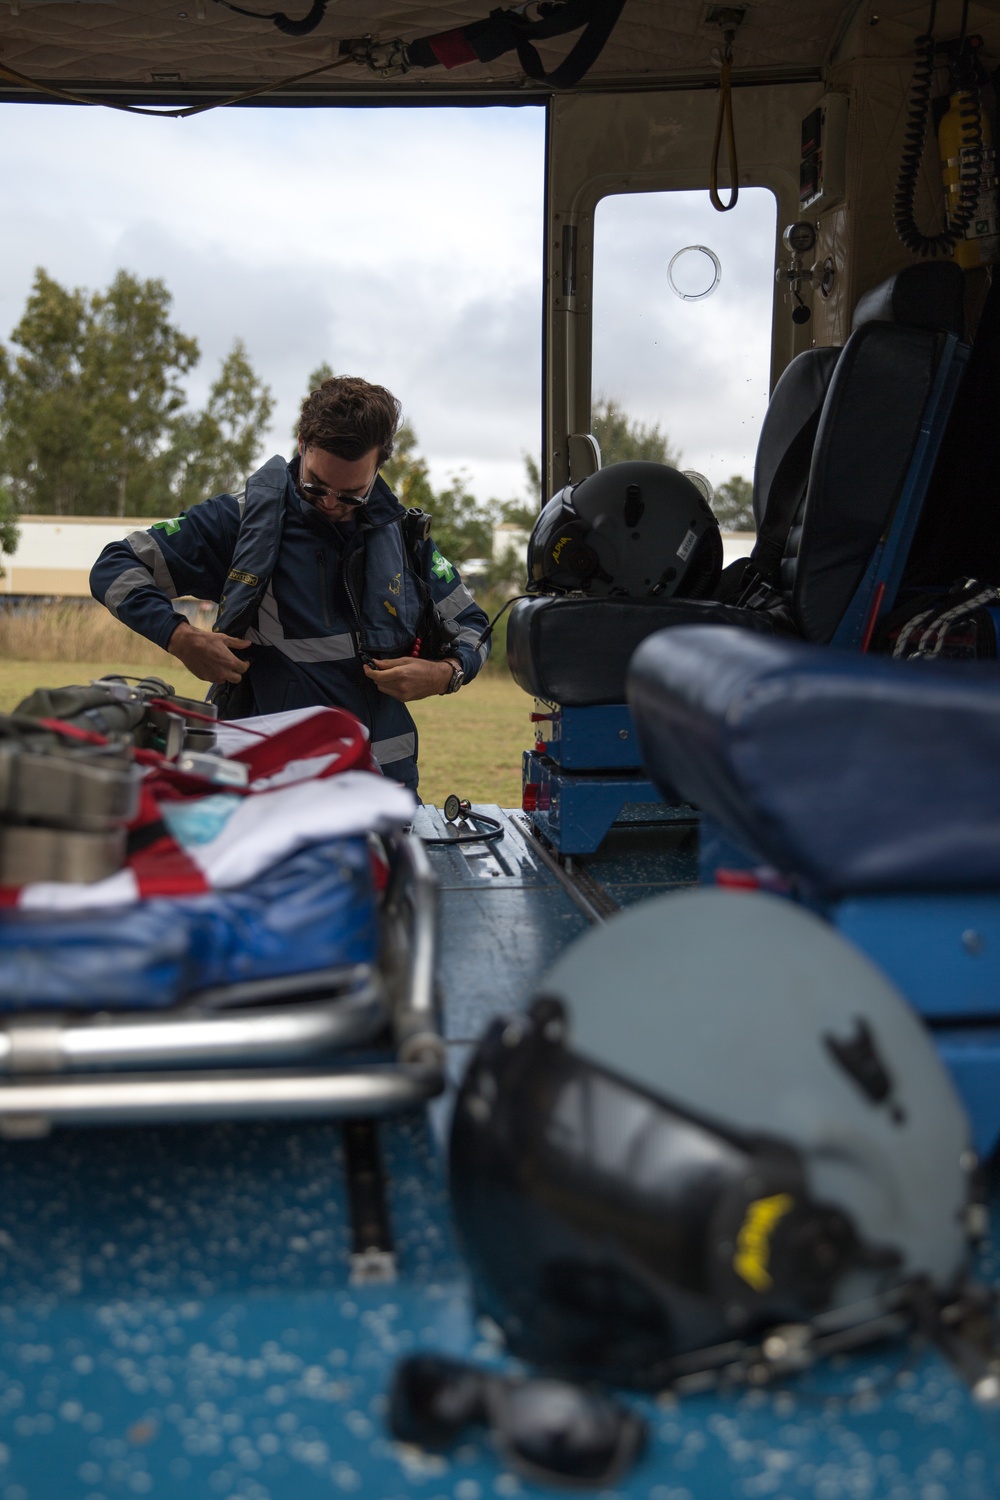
(724, 115)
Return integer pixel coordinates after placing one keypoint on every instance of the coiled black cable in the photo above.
(284, 23)
(488, 831)
(970, 157)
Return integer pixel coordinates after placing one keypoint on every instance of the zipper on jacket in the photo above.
(371, 702)
(324, 584)
(349, 591)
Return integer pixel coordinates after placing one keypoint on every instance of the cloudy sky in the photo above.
(404, 245)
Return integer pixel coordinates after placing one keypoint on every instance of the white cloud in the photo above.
(401, 245)
(700, 369)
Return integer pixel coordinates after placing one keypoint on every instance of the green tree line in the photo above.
(93, 417)
(94, 421)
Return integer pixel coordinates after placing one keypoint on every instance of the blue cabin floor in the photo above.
(177, 1315)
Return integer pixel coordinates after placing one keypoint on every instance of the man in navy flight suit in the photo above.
(329, 592)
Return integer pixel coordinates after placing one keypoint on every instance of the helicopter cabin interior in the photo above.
(208, 1281)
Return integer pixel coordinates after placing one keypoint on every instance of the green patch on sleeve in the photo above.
(168, 526)
(441, 567)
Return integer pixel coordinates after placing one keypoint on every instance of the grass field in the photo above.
(470, 743)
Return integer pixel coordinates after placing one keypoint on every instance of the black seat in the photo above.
(835, 452)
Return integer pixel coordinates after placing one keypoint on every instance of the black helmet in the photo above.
(691, 1143)
(633, 529)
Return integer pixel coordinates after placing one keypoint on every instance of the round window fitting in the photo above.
(694, 273)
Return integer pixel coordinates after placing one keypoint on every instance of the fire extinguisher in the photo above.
(968, 161)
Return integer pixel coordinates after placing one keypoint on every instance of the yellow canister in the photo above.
(980, 244)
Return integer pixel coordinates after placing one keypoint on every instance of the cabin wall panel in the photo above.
(831, 316)
(875, 64)
(618, 143)
(881, 94)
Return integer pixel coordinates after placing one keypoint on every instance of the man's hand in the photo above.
(410, 677)
(208, 655)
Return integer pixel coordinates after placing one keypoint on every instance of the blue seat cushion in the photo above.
(857, 773)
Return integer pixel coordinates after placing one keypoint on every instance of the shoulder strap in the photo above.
(256, 548)
(416, 530)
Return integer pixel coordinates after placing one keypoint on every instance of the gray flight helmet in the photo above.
(627, 1157)
(636, 529)
(735, 1004)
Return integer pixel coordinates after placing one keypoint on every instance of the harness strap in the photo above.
(928, 629)
(256, 548)
(510, 31)
(602, 21)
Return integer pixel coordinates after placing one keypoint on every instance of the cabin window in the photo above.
(671, 350)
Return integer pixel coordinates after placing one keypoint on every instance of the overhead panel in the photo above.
(169, 48)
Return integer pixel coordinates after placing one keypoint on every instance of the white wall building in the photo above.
(56, 553)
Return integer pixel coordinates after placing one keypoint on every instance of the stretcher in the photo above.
(236, 965)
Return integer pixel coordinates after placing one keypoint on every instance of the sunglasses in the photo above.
(315, 491)
(548, 1430)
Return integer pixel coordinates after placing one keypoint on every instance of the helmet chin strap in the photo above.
(965, 1329)
(790, 1348)
(967, 1332)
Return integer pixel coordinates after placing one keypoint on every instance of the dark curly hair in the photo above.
(348, 417)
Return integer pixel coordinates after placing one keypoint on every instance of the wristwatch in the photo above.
(457, 678)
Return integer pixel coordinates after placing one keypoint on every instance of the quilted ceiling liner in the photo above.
(172, 49)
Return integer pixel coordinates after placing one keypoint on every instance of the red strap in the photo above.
(737, 880)
(160, 866)
(451, 48)
(73, 731)
(164, 869)
(872, 617)
(170, 706)
(332, 731)
(379, 868)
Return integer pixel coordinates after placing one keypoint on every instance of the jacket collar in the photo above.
(382, 509)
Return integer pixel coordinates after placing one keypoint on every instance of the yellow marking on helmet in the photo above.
(753, 1243)
(559, 546)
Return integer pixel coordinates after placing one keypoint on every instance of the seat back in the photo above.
(784, 453)
(889, 398)
(840, 446)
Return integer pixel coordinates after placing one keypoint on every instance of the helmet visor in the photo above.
(609, 1232)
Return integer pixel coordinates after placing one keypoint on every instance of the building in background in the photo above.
(56, 553)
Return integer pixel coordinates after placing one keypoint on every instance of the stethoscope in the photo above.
(488, 830)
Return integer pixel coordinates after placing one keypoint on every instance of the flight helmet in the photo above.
(718, 1119)
(635, 529)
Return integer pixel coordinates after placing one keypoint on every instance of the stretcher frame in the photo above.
(230, 1054)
